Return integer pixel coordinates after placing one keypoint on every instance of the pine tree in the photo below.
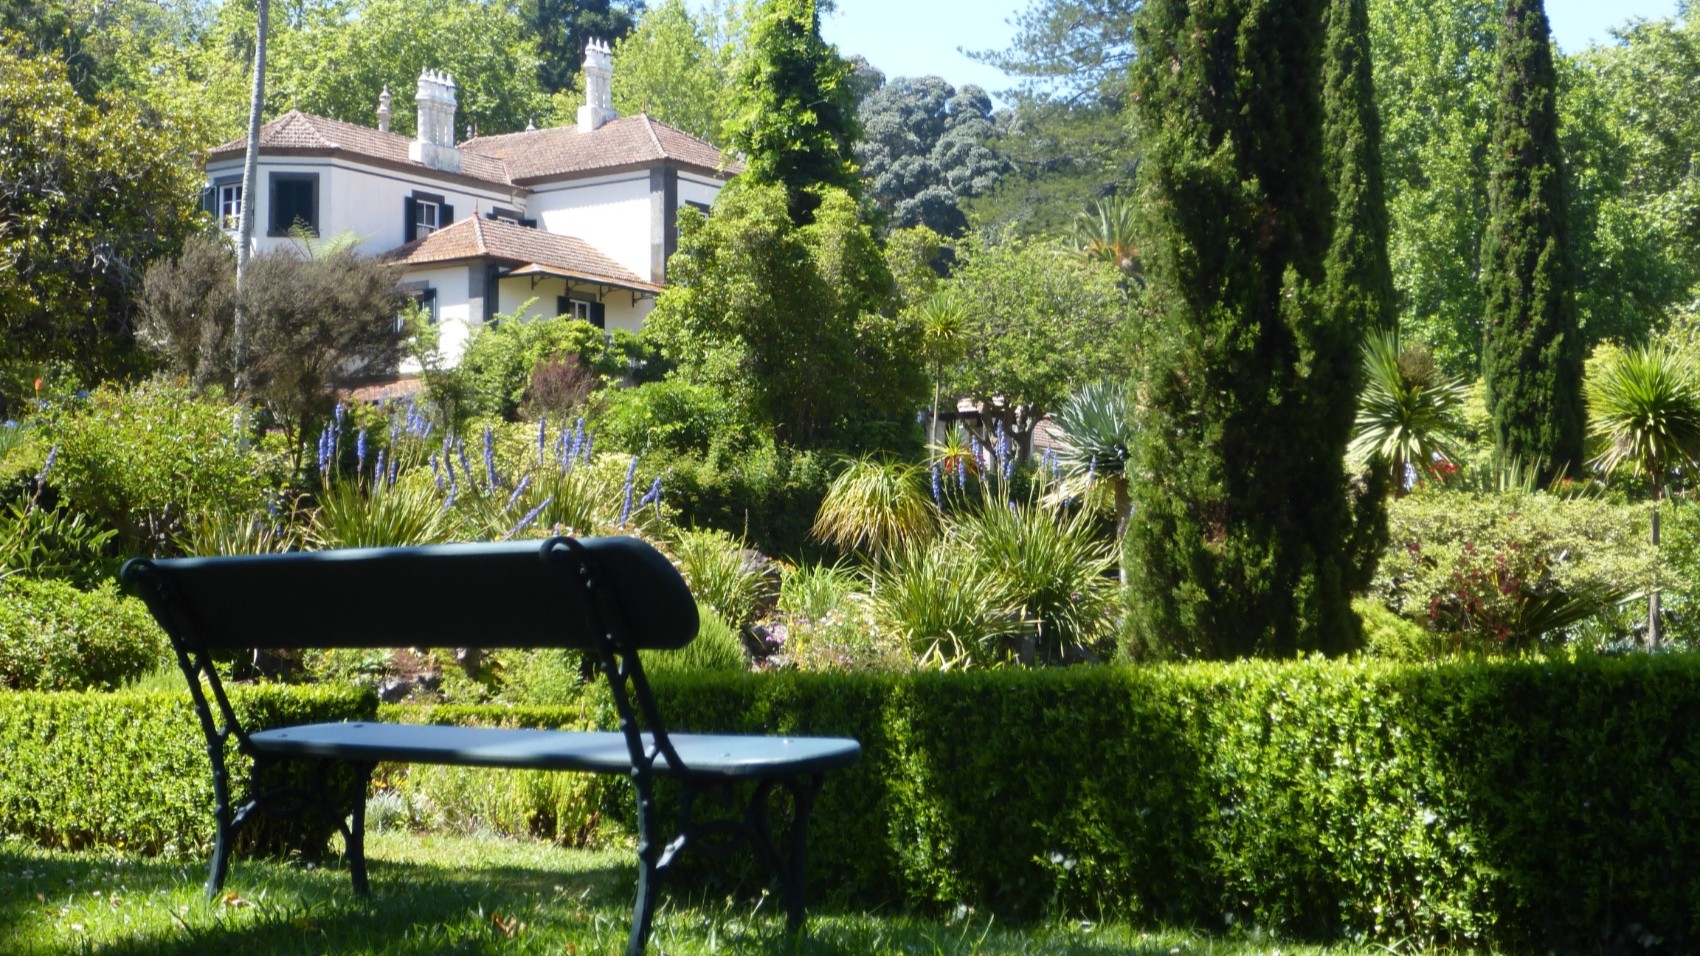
(1240, 542)
(794, 115)
(1531, 350)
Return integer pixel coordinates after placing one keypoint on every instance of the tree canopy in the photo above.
(925, 150)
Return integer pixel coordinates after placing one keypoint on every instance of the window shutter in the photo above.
(528, 223)
(445, 215)
(562, 305)
(599, 315)
(410, 213)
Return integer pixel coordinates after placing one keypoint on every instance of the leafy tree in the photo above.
(343, 55)
(924, 150)
(1645, 411)
(313, 320)
(90, 194)
(1243, 542)
(1434, 88)
(1040, 323)
(665, 68)
(793, 115)
(1532, 349)
(561, 28)
(793, 324)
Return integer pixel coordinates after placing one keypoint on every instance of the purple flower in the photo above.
(489, 459)
(653, 495)
(519, 489)
(47, 466)
(360, 451)
(437, 471)
(938, 499)
(378, 470)
(336, 414)
(626, 509)
(465, 466)
(530, 516)
(395, 469)
(327, 444)
(542, 439)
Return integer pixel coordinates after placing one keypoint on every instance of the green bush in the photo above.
(671, 415)
(129, 770)
(717, 648)
(55, 637)
(146, 460)
(767, 496)
(495, 371)
(714, 565)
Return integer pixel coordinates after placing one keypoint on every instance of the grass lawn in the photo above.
(441, 894)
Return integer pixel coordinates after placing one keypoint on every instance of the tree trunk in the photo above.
(1653, 598)
(245, 227)
(1124, 508)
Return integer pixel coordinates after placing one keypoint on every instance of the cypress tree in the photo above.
(1240, 542)
(1531, 349)
(1360, 296)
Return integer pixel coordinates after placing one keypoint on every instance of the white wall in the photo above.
(701, 189)
(455, 318)
(609, 212)
(622, 312)
(364, 200)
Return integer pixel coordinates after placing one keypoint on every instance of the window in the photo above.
(422, 296)
(294, 203)
(425, 213)
(228, 204)
(593, 312)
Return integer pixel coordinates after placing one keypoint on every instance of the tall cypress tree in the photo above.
(1240, 546)
(1531, 349)
(1359, 291)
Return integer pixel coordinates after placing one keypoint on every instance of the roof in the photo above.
(536, 251)
(541, 155)
(299, 132)
(527, 158)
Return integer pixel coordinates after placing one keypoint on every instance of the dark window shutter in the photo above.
(410, 213)
(445, 215)
(599, 315)
(563, 305)
(528, 223)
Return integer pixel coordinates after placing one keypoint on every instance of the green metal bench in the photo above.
(612, 596)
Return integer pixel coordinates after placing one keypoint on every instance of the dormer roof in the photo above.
(528, 158)
(527, 249)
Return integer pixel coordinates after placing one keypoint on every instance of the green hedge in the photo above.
(129, 770)
(56, 637)
(1519, 804)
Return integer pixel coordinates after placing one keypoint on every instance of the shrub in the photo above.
(146, 460)
(714, 564)
(129, 770)
(498, 363)
(672, 415)
(767, 496)
(55, 637)
(1052, 567)
(938, 603)
(717, 648)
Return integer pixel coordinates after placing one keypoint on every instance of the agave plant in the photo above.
(878, 504)
(1408, 411)
(1645, 411)
(1099, 426)
(381, 514)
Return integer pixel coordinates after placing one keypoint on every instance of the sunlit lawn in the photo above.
(437, 894)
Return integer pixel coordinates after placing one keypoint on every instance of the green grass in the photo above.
(442, 894)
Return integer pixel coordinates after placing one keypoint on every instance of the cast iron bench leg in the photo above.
(649, 851)
(355, 835)
(803, 799)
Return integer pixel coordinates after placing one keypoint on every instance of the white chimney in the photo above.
(384, 110)
(598, 105)
(434, 143)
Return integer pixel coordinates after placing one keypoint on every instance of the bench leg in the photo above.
(802, 801)
(354, 838)
(649, 876)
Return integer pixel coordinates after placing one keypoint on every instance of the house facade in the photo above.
(576, 220)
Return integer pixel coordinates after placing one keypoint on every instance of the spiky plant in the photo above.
(878, 504)
(943, 320)
(940, 605)
(1408, 412)
(1645, 411)
(1106, 232)
(1099, 426)
(713, 563)
(379, 514)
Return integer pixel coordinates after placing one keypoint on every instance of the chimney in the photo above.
(598, 105)
(384, 110)
(434, 143)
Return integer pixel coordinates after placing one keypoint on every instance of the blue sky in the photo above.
(918, 37)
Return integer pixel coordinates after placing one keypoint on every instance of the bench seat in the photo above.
(728, 756)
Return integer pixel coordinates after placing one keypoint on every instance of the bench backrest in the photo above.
(525, 594)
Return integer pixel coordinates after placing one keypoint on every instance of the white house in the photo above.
(579, 220)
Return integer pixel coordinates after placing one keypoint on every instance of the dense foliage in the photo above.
(55, 637)
(1532, 351)
(925, 150)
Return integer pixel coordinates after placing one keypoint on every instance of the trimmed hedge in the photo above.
(129, 770)
(1518, 804)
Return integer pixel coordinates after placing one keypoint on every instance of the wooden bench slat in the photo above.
(732, 756)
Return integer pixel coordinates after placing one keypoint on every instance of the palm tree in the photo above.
(1098, 423)
(1645, 409)
(245, 223)
(944, 324)
(1407, 413)
(1106, 232)
(879, 504)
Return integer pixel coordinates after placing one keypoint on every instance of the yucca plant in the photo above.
(940, 605)
(1407, 412)
(1051, 565)
(943, 320)
(816, 590)
(222, 534)
(1644, 409)
(1099, 426)
(878, 504)
(1107, 232)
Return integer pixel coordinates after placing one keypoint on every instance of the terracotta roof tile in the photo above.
(304, 131)
(544, 154)
(475, 238)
